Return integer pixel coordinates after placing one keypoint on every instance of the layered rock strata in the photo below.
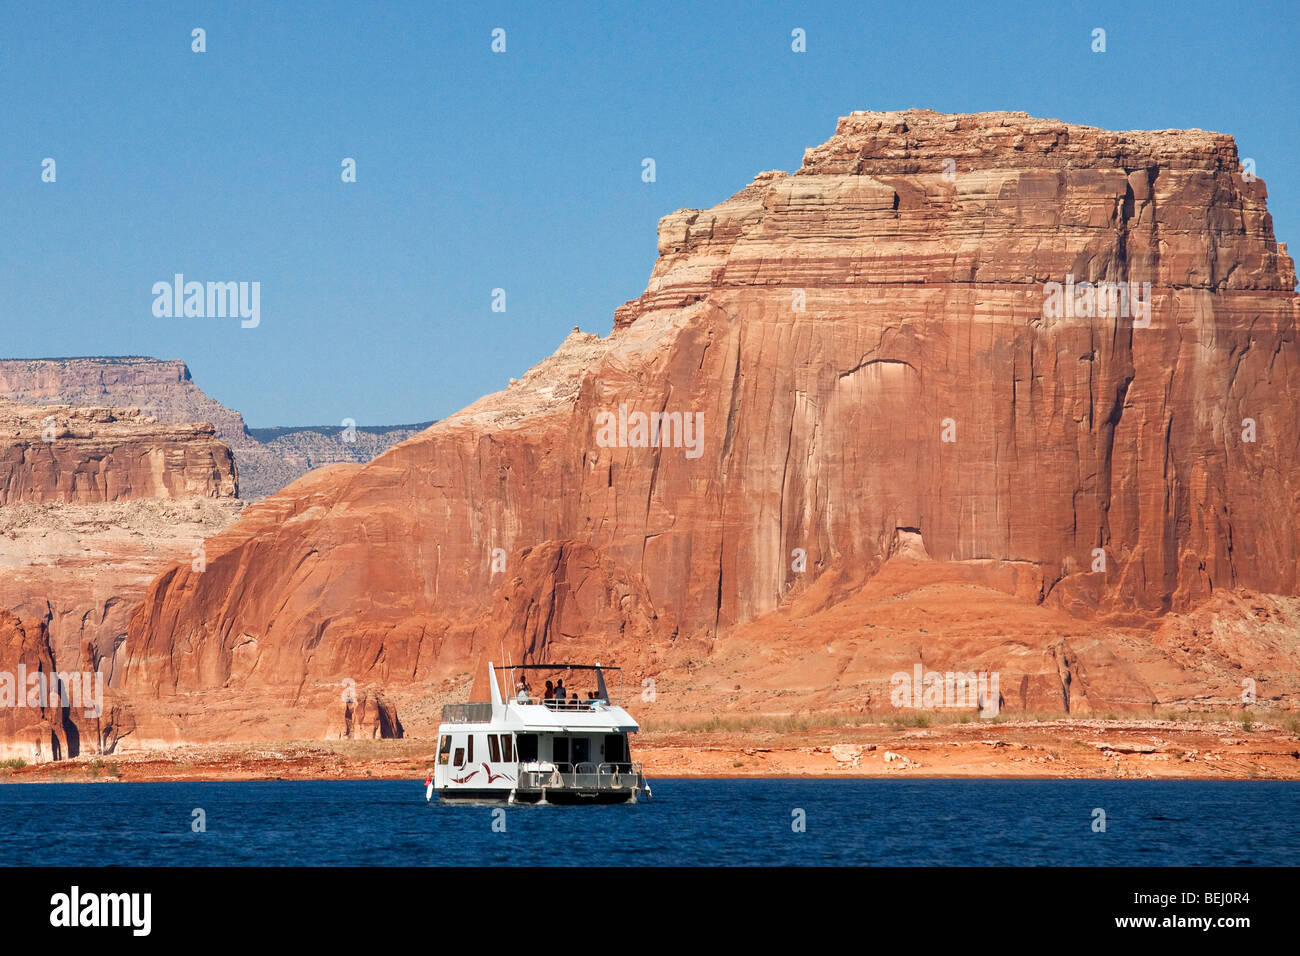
(59, 454)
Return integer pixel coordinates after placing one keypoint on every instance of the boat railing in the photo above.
(477, 712)
(590, 703)
(587, 775)
(586, 704)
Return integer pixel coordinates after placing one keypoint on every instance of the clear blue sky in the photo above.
(479, 170)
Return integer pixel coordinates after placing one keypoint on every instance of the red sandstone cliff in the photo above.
(878, 390)
(49, 712)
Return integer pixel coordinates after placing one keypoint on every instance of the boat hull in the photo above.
(558, 797)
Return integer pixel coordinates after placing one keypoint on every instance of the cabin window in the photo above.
(526, 744)
(471, 748)
(559, 750)
(444, 748)
(615, 748)
(494, 748)
(460, 756)
(506, 748)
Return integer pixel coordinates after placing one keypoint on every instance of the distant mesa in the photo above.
(268, 459)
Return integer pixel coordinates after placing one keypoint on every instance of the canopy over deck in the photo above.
(602, 691)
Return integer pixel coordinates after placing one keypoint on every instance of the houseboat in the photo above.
(532, 745)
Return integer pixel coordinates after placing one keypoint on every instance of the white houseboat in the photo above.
(531, 747)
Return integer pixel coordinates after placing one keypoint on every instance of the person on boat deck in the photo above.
(550, 691)
(522, 695)
(560, 694)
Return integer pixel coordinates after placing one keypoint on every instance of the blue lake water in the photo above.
(690, 822)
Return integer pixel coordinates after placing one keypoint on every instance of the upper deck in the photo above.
(526, 711)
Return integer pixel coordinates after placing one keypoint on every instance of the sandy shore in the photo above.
(1096, 749)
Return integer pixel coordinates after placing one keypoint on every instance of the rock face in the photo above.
(47, 713)
(268, 459)
(872, 409)
(94, 503)
(67, 455)
(28, 731)
(78, 570)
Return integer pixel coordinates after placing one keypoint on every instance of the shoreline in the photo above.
(102, 781)
(1009, 750)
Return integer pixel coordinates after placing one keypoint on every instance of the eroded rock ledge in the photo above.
(87, 455)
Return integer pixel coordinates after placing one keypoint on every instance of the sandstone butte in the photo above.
(832, 327)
